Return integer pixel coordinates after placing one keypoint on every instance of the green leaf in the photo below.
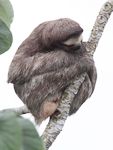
(6, 12)
(5, 37)
(31, 139)
(10, 132)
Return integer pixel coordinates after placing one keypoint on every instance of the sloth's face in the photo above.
(73, 43)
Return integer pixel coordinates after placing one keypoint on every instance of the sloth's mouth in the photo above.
(75, 47)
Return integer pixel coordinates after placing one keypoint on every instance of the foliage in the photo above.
(5, 37)
(6, 18)
(17, 133)
(6, 12)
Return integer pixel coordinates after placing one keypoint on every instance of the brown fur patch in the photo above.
(49, 108)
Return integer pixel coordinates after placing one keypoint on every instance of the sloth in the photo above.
(47, 62)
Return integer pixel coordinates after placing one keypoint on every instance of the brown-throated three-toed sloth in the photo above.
(47, 62)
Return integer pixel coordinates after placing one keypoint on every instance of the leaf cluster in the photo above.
(17, 133)
(6, 18)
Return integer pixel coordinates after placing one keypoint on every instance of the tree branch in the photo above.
(19, 110)
(99, 26)
(57, 120)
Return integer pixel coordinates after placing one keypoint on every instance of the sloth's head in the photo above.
(62, 33)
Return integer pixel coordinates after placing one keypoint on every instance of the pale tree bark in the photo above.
(57, 120)
(21, 110)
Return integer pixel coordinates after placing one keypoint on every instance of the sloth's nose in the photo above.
(81, 38)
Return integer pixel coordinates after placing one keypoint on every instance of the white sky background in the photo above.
(91, 128)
